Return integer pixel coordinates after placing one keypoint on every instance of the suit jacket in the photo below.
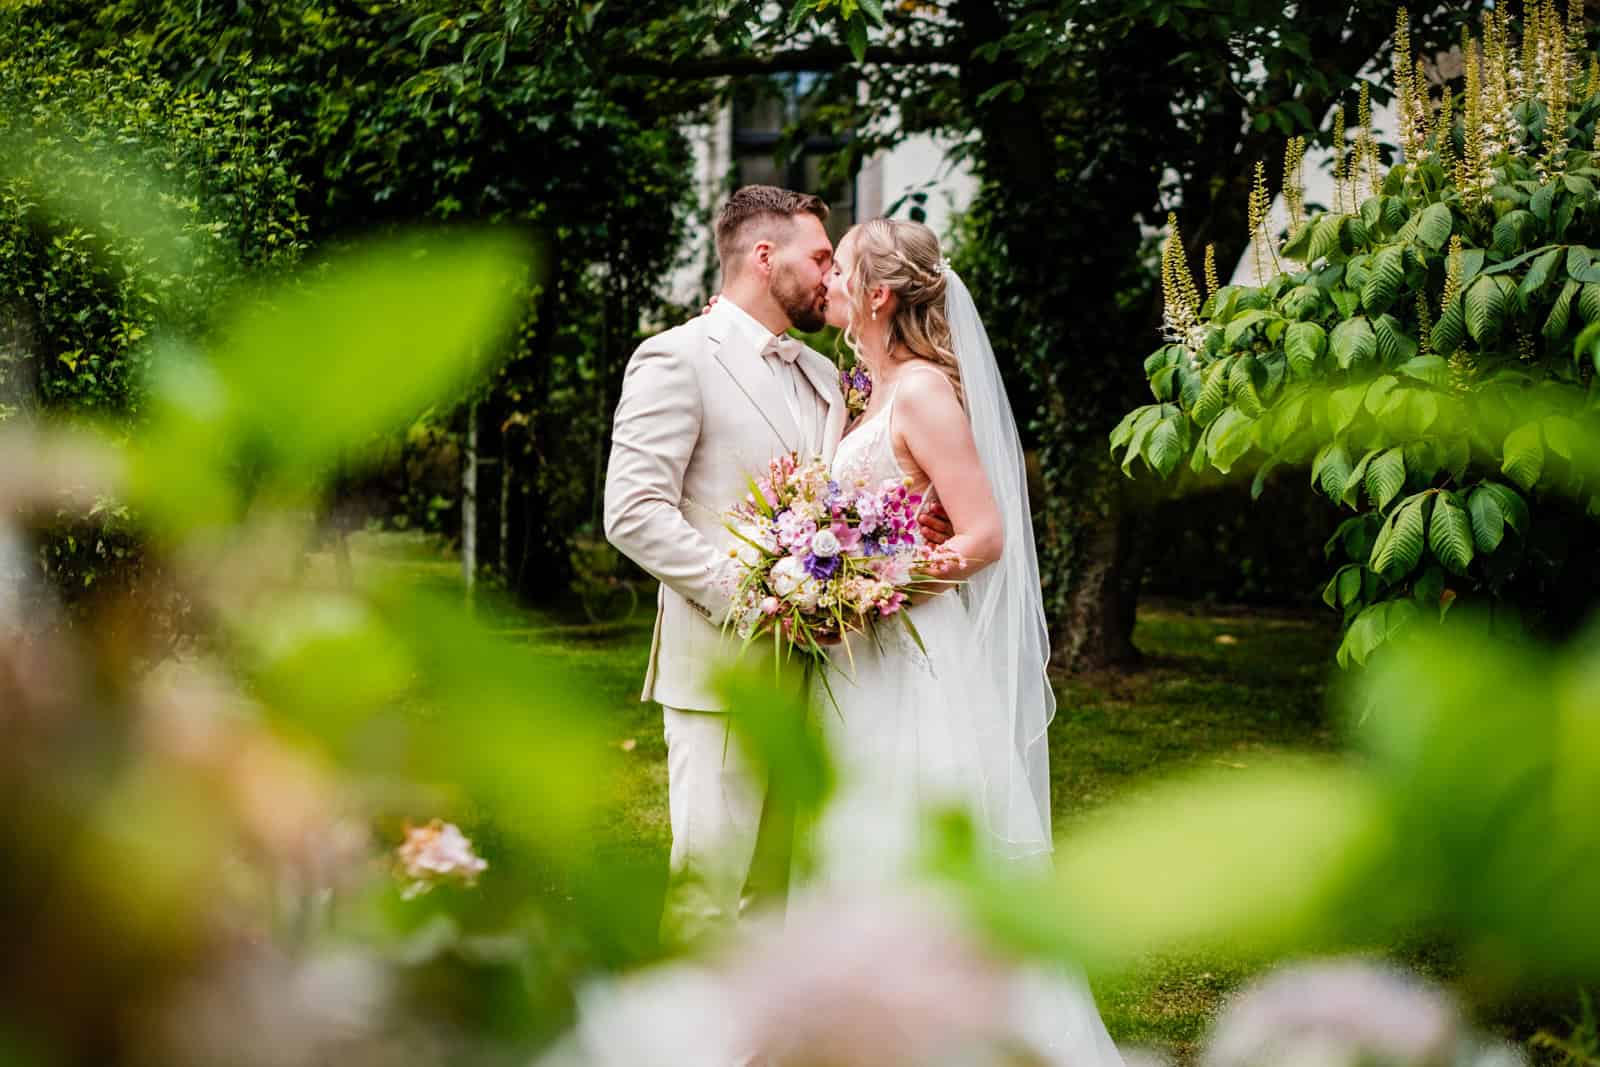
(700, 415)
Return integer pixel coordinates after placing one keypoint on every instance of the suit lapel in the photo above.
(760, 386)
(824, 378)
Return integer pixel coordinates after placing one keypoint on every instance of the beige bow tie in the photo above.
(784, 347)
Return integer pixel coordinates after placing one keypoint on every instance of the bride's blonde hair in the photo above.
(905, 257)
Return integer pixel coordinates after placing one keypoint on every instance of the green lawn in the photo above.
(1218, 689)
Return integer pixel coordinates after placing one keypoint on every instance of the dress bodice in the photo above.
(866, 455)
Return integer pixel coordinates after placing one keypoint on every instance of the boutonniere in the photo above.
(856, 384)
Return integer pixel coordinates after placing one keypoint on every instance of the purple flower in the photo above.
(821, 567)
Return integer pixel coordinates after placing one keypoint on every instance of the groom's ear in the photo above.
(761, 254)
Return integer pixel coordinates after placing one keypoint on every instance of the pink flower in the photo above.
(849, 539)
(770, 606)
(435, 853)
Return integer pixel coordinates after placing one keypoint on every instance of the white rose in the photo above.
(752, 535)
(824, 544)
(787, 574)
(810, 591)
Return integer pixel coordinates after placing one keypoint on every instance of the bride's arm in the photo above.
(929, 420)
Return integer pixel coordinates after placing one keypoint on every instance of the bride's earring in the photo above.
(874, 314)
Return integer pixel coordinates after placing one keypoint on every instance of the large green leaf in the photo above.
(1344, 588)
(1540, 272)
(1450, 330)
(1493, 507)
(1381, 397)
(1421, 410)
(1331, 469)
(1589, 302)
(1163, 383)
(1344, 404)
(1387, 276)
(378, 335)
(1450, 534)
(1353, 343)
(1324, 237)
(1213, 394)
(1303, 345)
(1485, 308)
(1167, 444)
(1123, 432)
(1303, 301)
(1579, 261)
(1189, 385)
(1488, 519)
(1165, 356)
(1400, 546)
(1229, 438)
(1139, 432)
(1394, 213)
(1242, 386)
(1393, 344)
(317, 366)
(1562, 435)
(1352, 484)
(1431, 369)
(1433, 230)
(1237, 333)
(1375, 627)
(1522, 455)
(1510, 230)
(1386, 476)
(1542, 201)
(1561, 311)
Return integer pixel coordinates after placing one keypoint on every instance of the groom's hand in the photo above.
(936, 525)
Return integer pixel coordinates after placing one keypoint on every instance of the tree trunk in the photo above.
(469, 502)
(1094, 630)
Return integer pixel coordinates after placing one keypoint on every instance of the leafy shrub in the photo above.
(1428, 345)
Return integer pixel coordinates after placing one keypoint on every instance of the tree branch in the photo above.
(821, 57)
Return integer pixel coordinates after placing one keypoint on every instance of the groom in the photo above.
(704, 407)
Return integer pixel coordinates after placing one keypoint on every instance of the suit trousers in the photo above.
(730, 841)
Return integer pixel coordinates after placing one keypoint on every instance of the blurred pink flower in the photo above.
(1336, 1013)
(864, 979)
(436, 853)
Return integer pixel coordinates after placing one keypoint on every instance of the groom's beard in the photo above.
(805, 305)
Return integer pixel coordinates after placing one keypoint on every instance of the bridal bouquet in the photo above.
(818, 561)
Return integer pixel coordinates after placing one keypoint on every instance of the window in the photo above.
(762, 109)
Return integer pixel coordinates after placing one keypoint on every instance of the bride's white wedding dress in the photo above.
(961, 725)
(913, 730)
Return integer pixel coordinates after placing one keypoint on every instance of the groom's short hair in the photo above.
(752, 213)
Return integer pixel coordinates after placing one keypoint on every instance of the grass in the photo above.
(1218, 688)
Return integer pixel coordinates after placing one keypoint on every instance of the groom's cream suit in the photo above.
(704, 407)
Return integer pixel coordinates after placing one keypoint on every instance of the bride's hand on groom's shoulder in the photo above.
(710, 304)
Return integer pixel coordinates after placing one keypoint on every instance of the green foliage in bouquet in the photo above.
(1427, 344)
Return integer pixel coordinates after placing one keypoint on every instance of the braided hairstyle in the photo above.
(905, 257)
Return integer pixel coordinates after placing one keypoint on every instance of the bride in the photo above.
(963, 724)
